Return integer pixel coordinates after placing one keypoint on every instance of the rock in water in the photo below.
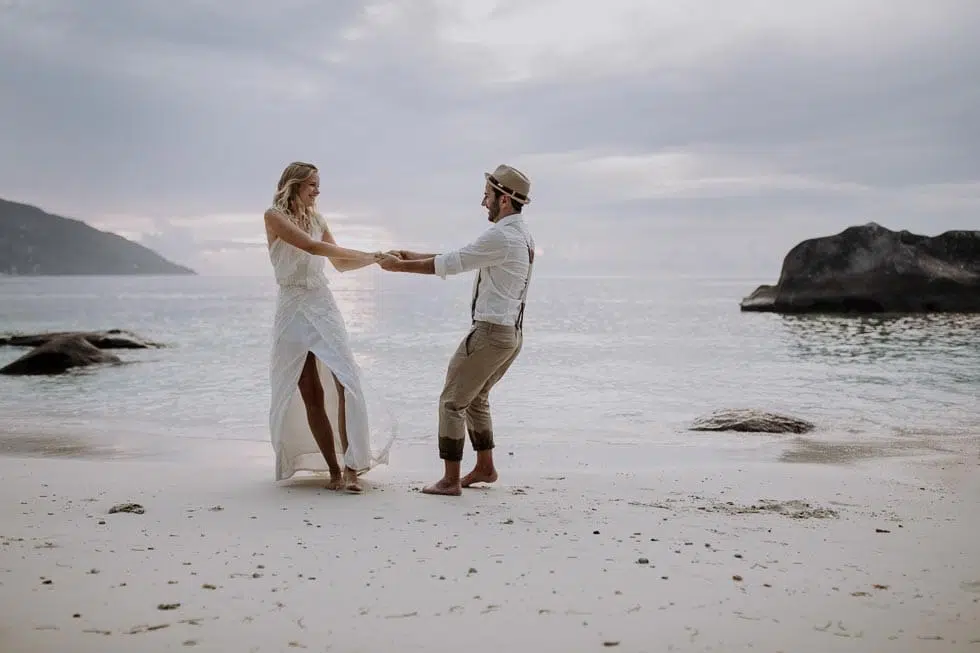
(871, 269)
(111, 339)
(750, 421)
(58, 355)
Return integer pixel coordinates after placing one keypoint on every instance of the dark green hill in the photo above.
(33, 242)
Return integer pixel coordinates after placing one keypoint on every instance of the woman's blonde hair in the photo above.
(285, 198)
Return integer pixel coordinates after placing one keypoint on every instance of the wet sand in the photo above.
(826, 553)
(48, 445)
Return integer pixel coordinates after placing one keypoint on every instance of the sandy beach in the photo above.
(790, 545)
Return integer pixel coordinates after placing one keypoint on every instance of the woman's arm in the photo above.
(346, 264)
(281, 226)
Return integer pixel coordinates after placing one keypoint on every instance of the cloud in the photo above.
(174, 121)
(527, 41)
(674, 174)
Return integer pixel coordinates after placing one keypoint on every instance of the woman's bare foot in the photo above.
(444, 488)
(336, 481)
(351, 483)
(479, 475)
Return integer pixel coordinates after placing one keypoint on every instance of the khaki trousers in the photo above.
(480, 361)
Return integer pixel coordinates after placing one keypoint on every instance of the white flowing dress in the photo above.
(309, 320)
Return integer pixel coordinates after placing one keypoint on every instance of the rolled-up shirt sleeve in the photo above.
(489, 249)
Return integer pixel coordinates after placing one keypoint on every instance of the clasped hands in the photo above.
(390, 260)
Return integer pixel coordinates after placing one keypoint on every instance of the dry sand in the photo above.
(801, 547)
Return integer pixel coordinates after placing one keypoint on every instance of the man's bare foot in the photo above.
(336, 482)
(479, 476)
(351, 483)
(444, 488)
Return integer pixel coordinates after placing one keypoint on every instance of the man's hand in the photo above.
(400, 260)
(390, 263)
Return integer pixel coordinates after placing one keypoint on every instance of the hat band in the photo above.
(509, 191)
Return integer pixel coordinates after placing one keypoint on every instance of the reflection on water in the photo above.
(891, 370)
(874, 339)
(360, 298)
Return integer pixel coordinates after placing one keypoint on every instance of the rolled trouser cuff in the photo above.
(451, 449)
(481, 440)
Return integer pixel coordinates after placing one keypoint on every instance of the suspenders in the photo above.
(476, 293)
(527, 282)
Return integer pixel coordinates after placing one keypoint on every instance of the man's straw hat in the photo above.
(511, 182)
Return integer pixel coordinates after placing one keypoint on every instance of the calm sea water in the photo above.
(606, 360)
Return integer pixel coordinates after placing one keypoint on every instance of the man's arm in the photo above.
(417, 266)
(489, 249)
(407, 255)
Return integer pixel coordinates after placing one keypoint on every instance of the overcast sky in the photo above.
(640, 122)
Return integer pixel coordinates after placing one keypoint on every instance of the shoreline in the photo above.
(717, 554)
(563, 448)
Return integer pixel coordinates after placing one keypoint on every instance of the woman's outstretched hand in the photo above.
(390, 262)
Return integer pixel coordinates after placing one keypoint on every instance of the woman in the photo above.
(318, 403)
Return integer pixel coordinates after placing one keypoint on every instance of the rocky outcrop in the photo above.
(111, 339)
(34, 242)
(750, 421)
(58, 355)
(871, 269)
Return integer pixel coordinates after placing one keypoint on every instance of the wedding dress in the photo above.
(308, 320)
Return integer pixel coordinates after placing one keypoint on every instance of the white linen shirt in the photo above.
(501, 254)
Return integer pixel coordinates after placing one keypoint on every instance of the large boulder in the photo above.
(871, 269)
(748, 420)
(59, 355)
(111, 339)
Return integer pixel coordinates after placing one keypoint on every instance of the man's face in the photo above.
(492, 201)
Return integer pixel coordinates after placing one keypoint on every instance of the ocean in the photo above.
(617, 360)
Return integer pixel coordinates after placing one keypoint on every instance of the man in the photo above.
(504, 255)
